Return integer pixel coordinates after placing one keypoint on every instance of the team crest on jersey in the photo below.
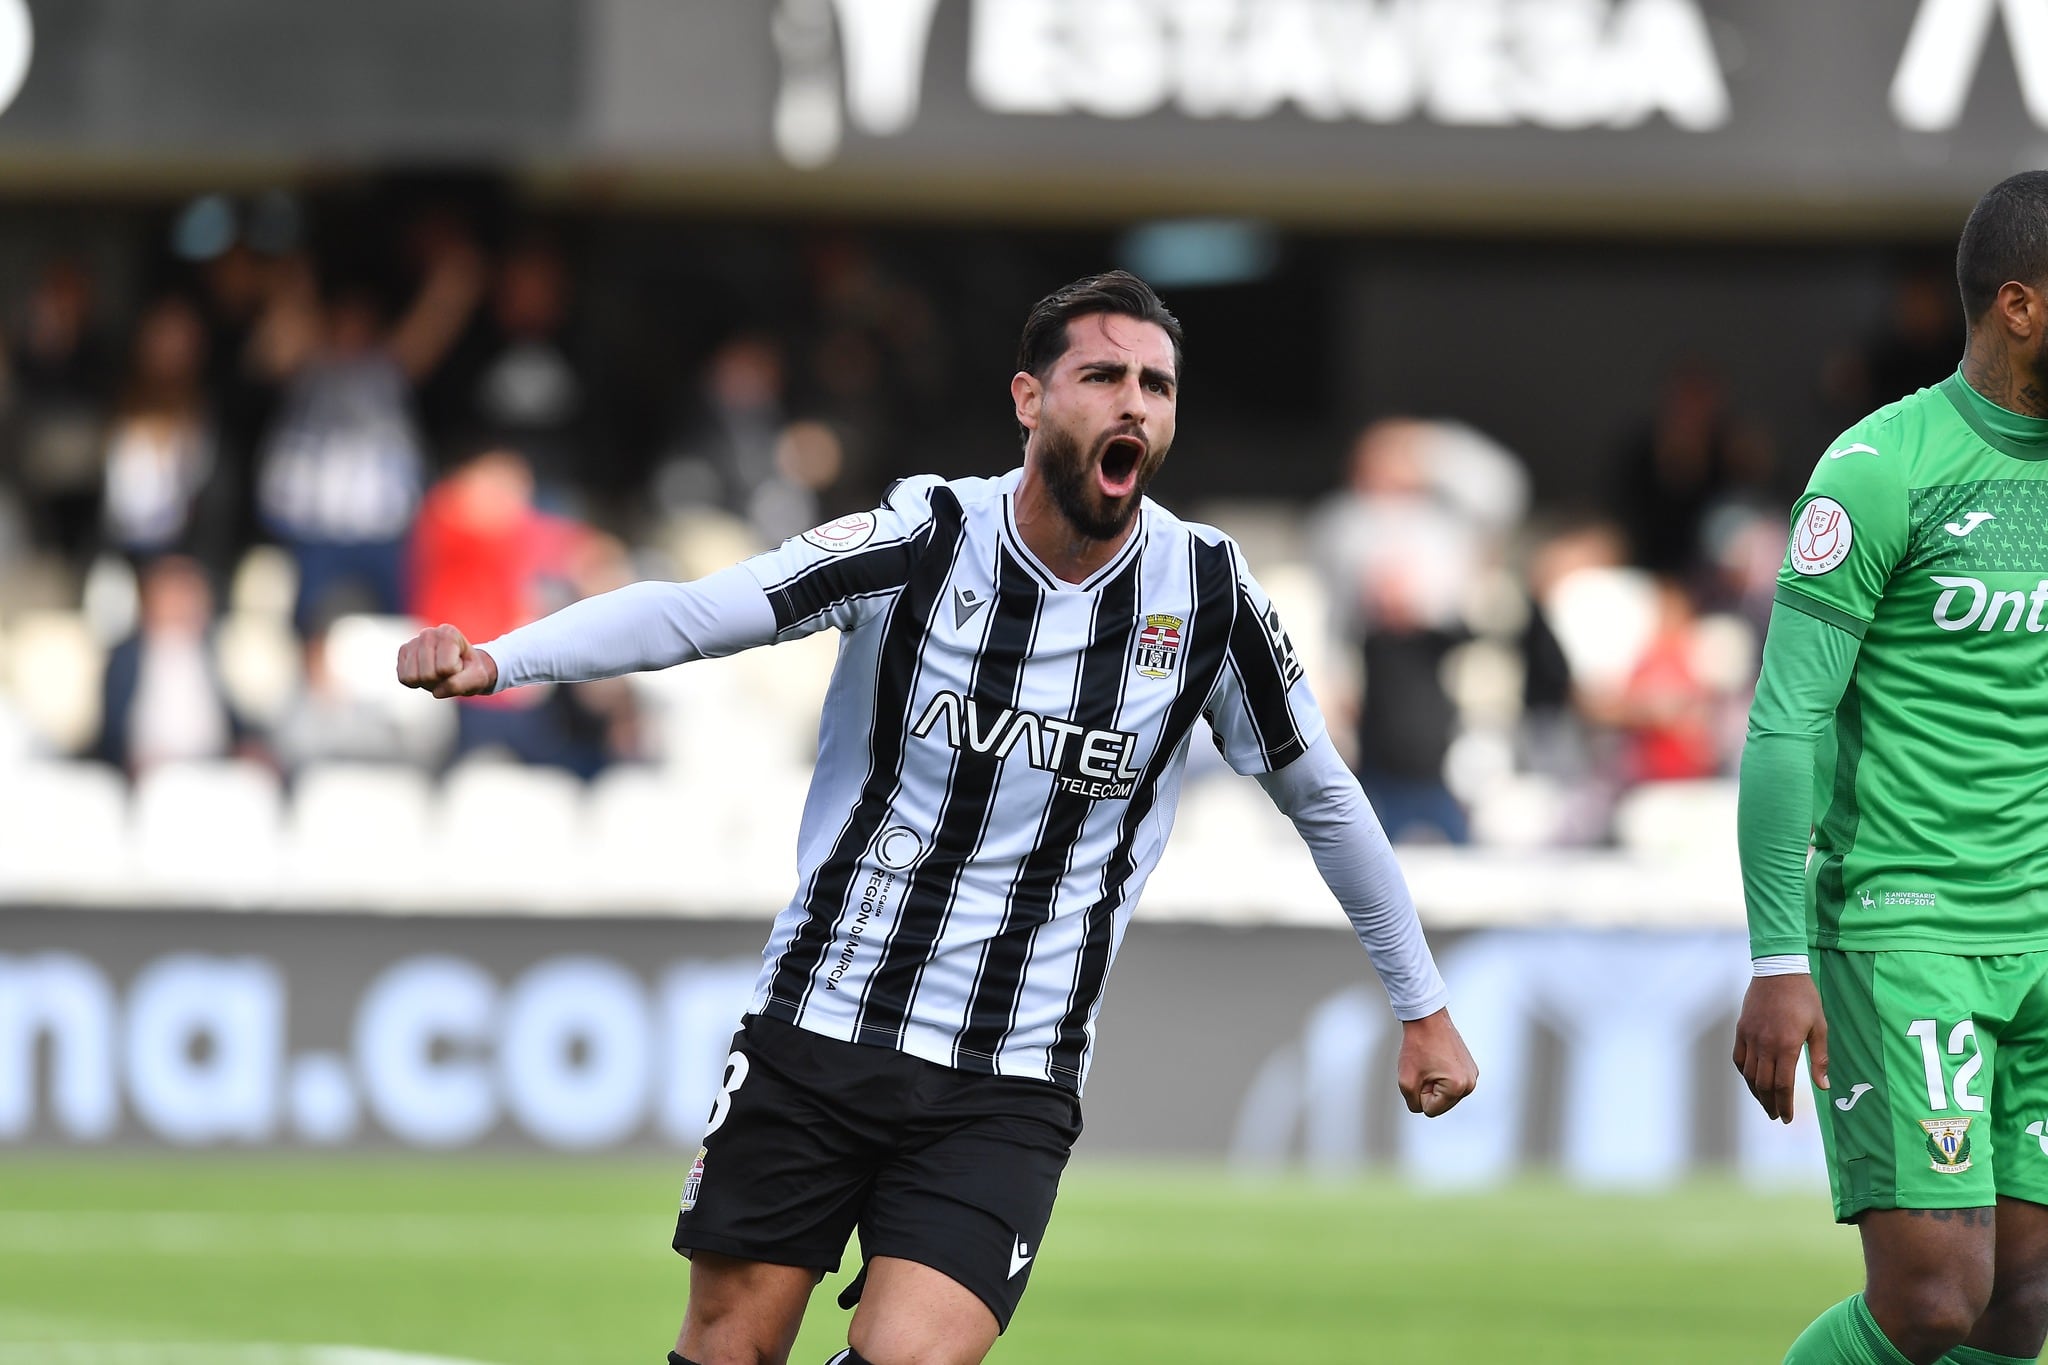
(1158, 651)
(847, 533)
(694, 1182)
(1820, 538)
(1948, 1144)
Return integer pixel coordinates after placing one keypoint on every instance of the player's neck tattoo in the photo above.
(1990, 369)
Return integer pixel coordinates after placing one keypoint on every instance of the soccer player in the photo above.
(1022, 664)
(1899, 720)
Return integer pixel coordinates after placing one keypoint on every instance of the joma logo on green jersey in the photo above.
(1985, 607)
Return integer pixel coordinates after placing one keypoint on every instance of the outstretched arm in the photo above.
(1351, 851)
(638, 627)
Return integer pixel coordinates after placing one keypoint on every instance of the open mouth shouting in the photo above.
(1116, 471)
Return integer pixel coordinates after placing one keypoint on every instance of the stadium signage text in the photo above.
(1945, 48)
(1562, 64)
(575, 1052)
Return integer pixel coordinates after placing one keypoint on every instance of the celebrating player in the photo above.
(1895, 721)
(1021, 666)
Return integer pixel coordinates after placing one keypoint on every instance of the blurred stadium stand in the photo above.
(708, 273)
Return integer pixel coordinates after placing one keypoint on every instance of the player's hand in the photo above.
(442, 662)
(1435, 1070)
(1780, 1014)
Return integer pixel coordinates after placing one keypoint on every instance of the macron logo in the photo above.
(1020, 1256)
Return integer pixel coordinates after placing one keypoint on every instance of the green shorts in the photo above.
(1939, 1068)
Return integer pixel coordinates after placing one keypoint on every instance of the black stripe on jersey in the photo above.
(1262, 677)
(963, 816)
(820, 587)
(1214, 618)
(907, 623)
(1098, 699)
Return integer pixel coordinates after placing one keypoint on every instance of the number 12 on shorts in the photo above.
(1963, 1035)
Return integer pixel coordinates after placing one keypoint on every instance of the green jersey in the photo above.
(1924, 532)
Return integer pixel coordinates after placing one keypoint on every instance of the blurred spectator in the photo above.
(60, 372)
(731, 454)
(236, 288)
(1666, 711)
(160, 450)
(1920, 343)
(519, 377)
(164, 700)
(485, 559)
(1690, 457)
(1401, 557)
(1551, 738)
(342, 467)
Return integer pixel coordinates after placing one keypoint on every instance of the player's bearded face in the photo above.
(1097, 483)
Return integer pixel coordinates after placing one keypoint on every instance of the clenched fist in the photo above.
(1435, 1070)
(442, 662)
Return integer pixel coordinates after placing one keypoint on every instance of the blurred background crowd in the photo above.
(247, 440)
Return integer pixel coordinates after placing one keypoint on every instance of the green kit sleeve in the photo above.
(1808, 659)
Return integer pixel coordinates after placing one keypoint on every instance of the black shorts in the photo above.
(812, 1138)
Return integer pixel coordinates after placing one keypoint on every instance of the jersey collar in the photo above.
(2022, 437)
(1051, 581)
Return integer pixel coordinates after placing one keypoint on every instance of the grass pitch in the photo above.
(555, 1262)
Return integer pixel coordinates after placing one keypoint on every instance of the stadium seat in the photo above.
(63, 831)
(209, 832)
(362, 655)
(110, 600)
(646, 836)
(259, 664)
(358, 834)
(512, 837)
(54, 667)
(1519, 811)
(1693, 820)
(266, 583)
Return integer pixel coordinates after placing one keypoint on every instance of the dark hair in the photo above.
(2006, 238)
(1117, 292)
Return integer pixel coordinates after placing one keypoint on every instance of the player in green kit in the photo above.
(1901, 723)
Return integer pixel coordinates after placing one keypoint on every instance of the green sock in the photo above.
(1973, 1355)
(1844, 1335)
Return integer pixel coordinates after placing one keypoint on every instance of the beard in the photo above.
(1069, 473)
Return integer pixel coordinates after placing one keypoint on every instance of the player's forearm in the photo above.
(1357, 863)
(638, 627)
(1807, 665)
(1774, 816)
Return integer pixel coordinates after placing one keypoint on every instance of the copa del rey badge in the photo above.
(1158, 646)
(1820, 538)
(1948, 1144)
(847, 533)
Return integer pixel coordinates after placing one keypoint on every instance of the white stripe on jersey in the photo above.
(999, 760)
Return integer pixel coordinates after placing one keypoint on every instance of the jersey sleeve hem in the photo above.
(1798, 601)
(1774, 945)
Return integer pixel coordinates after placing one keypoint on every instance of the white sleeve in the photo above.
(1318, 793)
(638, 627)
(837, 574)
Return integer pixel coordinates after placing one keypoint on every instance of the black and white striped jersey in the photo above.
(999, 760)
